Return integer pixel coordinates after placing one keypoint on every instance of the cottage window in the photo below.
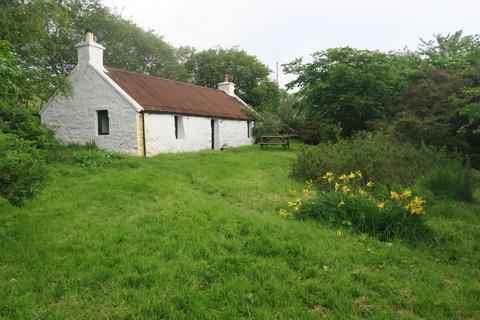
(103, 123)
(248, 129)
(179, 131)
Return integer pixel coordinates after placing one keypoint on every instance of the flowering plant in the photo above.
(351, 201)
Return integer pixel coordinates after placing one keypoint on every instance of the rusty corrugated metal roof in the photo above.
(168, 96)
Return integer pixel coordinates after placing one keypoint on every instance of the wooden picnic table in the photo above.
(280, 140)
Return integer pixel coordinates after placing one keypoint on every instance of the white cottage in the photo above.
(143, 115)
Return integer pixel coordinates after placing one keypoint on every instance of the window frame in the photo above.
(178, 127)
(103, 114)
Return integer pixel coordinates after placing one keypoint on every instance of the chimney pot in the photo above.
(89, 37)
(225, 77)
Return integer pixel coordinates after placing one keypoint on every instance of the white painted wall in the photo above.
(75, 120)
(234, 133)
(160, 133)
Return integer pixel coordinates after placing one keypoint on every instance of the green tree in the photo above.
(43, 34)
(349, 86)
(130, 47)
(246, 71)
(451, 51)
(29, 27)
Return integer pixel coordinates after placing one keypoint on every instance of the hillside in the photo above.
(198, 236)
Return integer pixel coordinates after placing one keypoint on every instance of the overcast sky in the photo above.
(281, 30)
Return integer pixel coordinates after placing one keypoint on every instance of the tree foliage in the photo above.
(208, 67)
(347, 86)
(453, 51)
(430, 95)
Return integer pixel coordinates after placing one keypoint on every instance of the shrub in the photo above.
(25, 123)
(449, 180)
(350, 202)
(319, 131)
(91, 156)
(22, 169)
(381, 157)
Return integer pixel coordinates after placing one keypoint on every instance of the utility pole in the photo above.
(277, 73)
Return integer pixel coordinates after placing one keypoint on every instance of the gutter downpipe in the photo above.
(143, 132)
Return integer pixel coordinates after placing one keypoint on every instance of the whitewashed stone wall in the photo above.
(160, 133)
(75, 118)
(234, 133)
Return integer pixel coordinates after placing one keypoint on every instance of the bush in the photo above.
(351, 203)
(449, 180)
(381, 157)
(22, 169)
(25, 124)
(316, 132)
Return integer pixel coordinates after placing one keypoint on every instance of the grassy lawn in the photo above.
(198, 236)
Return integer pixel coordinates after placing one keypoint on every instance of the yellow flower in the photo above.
(341, 203)
(416, 210)
(340, 233)
(394, 195)
(407, 193)
(415, 206)
(362, 192)
(328, 176)
(343, 177)
(337, 186)
(358, 173)
(345, 189)
(285, 214)
(381, 205)
(352, 175)
(308, 193)
(418, 201)
(369, 184)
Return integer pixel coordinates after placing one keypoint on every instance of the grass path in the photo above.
(197, 236)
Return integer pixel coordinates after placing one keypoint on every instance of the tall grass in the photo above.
(381, 157)
(449, 180)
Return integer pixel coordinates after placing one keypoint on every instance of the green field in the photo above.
(198, 236)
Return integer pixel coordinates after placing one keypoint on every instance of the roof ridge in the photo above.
(166, 79)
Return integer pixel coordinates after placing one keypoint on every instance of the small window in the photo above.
(179, 131)
(248, 129)
(103, 125)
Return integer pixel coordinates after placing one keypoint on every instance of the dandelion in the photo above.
(352, 175)
(343, 177)
(369, 184)
(381, 205)
(341, 203)
(345, 189)
(394, 195)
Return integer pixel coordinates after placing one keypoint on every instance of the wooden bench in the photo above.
(282, 140)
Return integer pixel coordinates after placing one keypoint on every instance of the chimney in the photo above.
(90, 52)
(227, 86)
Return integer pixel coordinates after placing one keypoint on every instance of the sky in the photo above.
(281, 30)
